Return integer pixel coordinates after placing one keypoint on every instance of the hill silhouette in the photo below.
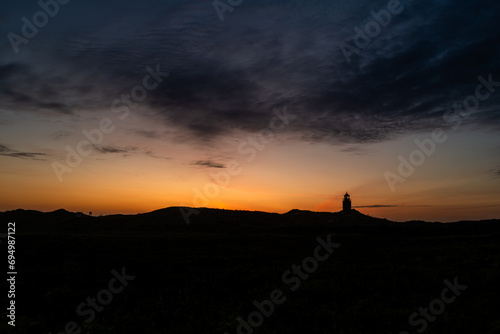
(209, 219)
(203, 276)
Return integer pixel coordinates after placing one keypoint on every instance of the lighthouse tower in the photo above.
(346, 203)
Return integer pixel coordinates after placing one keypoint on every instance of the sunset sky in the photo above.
(132, 106)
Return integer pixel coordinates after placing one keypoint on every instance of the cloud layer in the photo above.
(8, 152)
(227, 76)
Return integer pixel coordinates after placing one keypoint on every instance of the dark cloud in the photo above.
(27, 155)
(356, 150)
(21, 88)
(127, 150)
(7, 152)
(153, 155)
(148, 134)
(208, 164)
(60, 135)
(229, 75)
(113, 149)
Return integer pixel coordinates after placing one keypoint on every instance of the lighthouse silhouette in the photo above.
(346, 203)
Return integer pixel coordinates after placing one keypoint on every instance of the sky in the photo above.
(132, 106)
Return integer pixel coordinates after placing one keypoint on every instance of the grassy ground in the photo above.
(197, 279)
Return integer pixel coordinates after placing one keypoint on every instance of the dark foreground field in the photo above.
(200, 278)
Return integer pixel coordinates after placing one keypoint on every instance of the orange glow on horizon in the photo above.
(279, 180)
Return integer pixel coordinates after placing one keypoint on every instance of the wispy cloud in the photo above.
(57, 136)
(389, 206)
(153, 155)
(7, 152)
(376, 206)
(148, 134)
(127, 150)
(114, 150)
(208, 164)
(358, 150)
